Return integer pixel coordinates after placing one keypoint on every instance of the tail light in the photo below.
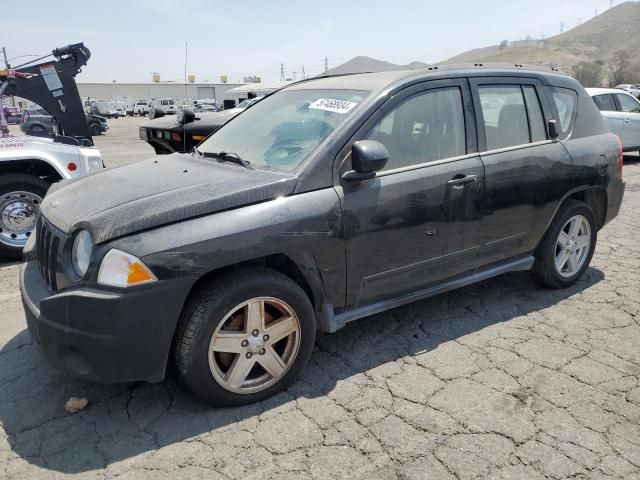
(620, 155)
(176, 137)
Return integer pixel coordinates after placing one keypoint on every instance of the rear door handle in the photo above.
(458, 181)
(627, 120)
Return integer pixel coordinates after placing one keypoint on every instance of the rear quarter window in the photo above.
(565, 101)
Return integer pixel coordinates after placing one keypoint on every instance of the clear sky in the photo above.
(129, 39)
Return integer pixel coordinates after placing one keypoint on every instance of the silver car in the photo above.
(36, 120)
(621, 111)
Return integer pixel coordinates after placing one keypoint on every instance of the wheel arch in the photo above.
(32, 166)
(594, 196)
(299, 267)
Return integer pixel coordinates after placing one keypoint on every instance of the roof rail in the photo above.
(505, 66)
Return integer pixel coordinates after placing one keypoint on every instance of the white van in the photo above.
(167, 105)
(127, 103)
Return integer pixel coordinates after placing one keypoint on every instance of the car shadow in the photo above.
(125, 421)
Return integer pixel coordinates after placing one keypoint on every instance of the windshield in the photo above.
(283, 129)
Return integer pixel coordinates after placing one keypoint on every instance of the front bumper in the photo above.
(103, 335)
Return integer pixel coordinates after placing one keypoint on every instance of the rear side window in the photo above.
(565, 101)
(425, 127)
(505, 116)
(605, 103)
(628, 104)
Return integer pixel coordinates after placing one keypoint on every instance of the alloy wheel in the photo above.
(255, 345)
(572, 246)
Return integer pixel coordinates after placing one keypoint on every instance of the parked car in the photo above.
(127, 104)
(621, 111)
(632, 89)
(36, 120)
(166, 105)
(172, 134)
(330, 200)
(169, 134)
(141, 107)
(206, 105)
(109, 109)
(12, 114)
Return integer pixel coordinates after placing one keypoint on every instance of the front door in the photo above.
(418, 221)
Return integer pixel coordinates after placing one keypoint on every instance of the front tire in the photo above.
(567, 248)
(244, 336)
(20, 198)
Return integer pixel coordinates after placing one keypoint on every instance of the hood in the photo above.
(124, 200)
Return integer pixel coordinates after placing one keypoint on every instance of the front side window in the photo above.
(283, 129)
(505, 116)
(605, 103)
(425, 127)
(565, 100)
(628, 104)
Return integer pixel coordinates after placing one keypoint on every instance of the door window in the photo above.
(505, 116)
(605, 103)
(536, 119)
(425, 127)
(628, 104)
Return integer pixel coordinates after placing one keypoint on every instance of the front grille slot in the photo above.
(47, 244)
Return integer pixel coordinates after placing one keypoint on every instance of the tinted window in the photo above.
(565, 101)
(536, 119)
(605, 102)
(505, 116)
(627, 103)
(425, 127)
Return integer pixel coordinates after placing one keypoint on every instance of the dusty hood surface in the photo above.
(147, 194)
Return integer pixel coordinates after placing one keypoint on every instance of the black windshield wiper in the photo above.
(227, 157)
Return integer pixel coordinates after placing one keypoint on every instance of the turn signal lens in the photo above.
(198, 138)
(121, 269)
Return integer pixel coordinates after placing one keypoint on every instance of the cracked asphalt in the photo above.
(503, 380)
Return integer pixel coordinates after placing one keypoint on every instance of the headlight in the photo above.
(121, 269)
(81, 252)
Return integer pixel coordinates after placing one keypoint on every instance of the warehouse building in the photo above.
(149, 90)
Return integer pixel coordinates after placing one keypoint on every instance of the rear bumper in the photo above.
(103, 336)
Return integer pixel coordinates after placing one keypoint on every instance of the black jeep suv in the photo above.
(328, 201)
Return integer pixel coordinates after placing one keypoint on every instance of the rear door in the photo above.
(418, 221)
(525, 173)
(609, 108)
(630, 111)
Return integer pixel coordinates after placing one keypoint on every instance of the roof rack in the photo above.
(497, 66)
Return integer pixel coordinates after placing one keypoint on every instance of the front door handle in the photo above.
(627, 120)
(458, 181)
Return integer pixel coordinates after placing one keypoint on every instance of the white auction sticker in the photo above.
(332, 105)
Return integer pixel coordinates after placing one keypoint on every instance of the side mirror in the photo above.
(155, 113)
(367, 157)
(552, 127)
(185, 115)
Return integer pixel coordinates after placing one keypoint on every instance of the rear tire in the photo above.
(227, 350)
(567, 247)
(20, 197)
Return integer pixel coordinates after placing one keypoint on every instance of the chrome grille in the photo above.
(47, 245)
